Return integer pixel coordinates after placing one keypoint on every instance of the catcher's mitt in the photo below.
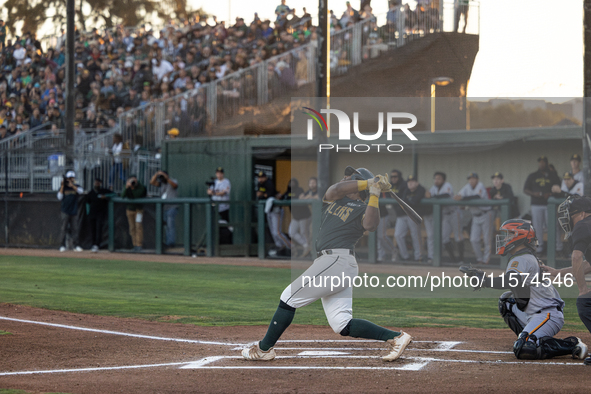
(470, 272)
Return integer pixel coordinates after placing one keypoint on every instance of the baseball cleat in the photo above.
(254, 353)
(580, 351)
(397, 346)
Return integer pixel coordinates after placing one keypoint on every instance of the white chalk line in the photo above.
(91, 369)
(120, 333)
(407, 349)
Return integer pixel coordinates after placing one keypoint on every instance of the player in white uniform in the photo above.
(450, 219)
(570, 186)
(576, 173)
(533, 307)
(481, 217)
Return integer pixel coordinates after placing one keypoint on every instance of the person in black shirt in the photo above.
(539, 186)
(574, 216)
(501, 190)
(68, 195)
(97, 212)
(412, 195)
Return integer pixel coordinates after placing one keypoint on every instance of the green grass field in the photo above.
(217, 295)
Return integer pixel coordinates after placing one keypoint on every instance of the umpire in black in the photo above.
(574, 216)
(98, 205)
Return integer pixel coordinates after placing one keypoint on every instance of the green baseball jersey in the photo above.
(342, 224)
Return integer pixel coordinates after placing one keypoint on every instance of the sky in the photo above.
(528, 48)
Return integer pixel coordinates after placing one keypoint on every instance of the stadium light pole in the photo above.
(439, 81)
(70, 104)
(323, 90)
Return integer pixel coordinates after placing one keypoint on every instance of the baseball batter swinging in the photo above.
(345, 218)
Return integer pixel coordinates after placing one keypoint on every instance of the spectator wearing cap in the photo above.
(412, 195)
(481, 218)
(68, 195)
(538, 186)
(220, 191)
(173, 133)
(575, 165)
(266, 190)
(501, 190)
(97, 207)
(168, 191)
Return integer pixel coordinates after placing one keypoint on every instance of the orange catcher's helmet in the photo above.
(516, 232)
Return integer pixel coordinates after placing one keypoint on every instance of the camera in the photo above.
(211, 181)
(162, 179)
(133, 183)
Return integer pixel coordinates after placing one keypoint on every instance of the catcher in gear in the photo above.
(574, 216)
(532, 308)
(345, 218)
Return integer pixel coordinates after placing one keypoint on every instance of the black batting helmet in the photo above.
(359, 174)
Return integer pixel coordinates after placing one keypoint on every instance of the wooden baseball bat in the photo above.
(415, 217)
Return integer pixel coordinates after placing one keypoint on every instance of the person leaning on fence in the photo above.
(135, 212)
(97, 201)
(169, 190)
(220, 191)
(68, 195)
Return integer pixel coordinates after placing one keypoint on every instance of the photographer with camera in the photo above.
(169, 190)
(68, 195)
(219, 190)
(135, 212)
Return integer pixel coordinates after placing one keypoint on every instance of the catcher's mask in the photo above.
(360, 174)
(515, 232)
(571, 206)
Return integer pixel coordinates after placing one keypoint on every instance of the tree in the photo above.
(33, 13)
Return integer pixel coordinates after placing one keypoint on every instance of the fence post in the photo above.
(551, 240)
(356, 45)
(372, 242)
(261, 228)
(505, 212)
(158, 228)
(208, 230)
(436, 235)
(212, 98)
(247, 227)
(188, 231)
(111, 225)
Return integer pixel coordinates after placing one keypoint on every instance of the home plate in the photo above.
(321, 353)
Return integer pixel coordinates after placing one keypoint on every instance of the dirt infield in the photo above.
(74, 353)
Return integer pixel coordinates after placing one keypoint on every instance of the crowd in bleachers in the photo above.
(122, 68)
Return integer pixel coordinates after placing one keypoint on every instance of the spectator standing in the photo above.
(2, 34)
(97, 201)
(538, 186)
(117, 168)
(412, 195)
(481, 217)
(220, 191)
(388, 218)
(462, 8)
(68, 195)
(266, 191)
(575, 165)
(168, 191)
(450, 220)
(501, 190)
(135, 212)
(282, 10)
